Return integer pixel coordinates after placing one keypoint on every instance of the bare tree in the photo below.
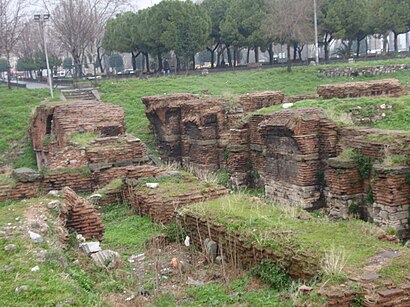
(79, 25)
(289, 22)
(11, 27)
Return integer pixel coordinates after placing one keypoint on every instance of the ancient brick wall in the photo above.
(391, 191)
(160, 203)
(196, 131)
(234, 248)
(386, 87)
(78, 215)
(80, 180)
(52, 126)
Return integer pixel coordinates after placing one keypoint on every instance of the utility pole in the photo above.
(316, 39)
(41, 19)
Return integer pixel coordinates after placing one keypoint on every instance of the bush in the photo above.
(273, 275)
(175, 232)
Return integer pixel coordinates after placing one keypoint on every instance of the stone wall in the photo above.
(233, 247)
(363, 71)
(385, 87)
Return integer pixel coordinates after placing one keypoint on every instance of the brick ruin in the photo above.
(292, 153)
(195, 131)
(174, 191)
(106, 153)
(232, 246)
(78, 215)
(102, 124)
(385, 87)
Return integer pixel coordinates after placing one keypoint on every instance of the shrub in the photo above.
(272, 274)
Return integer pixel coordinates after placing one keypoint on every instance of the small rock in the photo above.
(80, 238)
(152, 185)
(134, 258)
(25, 174)
(95, 197)
(211, 248)
(76, 262)
(17, 219)
(8, 268)
(106, 258)
(407, 244)
(287, 105)
(130, 298)
(21, 288)
(90, 247)
(35, 237)
(9, 247)
(35, 269)
(184, 266)
(54, 193)
(219, 260)
(194, 282)
(53, 204)
(305, 289)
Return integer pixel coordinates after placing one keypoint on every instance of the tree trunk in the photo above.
(256, 54)
(99, 57)
(228, 50)
(159, 62)
(396, 45)
(178, 63)
(147, 62)
(358, 48)
(248, 55)
(134, 59)
(8, 71)
(193, 62)
(270, 51)
(295, 48)
(289, 62)
(384, 44)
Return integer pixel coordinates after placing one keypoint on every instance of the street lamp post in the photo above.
(41, 19)
(316, 39)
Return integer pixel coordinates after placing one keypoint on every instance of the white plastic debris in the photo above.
(186, 241)
(152, 185)
(287, 105)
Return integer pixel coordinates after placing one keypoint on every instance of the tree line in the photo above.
(232, 26)
(87, 30)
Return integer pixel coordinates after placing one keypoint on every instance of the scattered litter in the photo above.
(21, 288)
(186, 241)
(287, 105)
(35, 269)
(152, 185)
(136, 258)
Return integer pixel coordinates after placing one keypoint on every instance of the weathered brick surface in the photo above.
(196, 131)
(78, 215)
(243, 255)
(160, 204)
(385, 87)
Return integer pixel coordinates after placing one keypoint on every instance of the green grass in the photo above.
(17, 105)
(255, 221)
(235, 293)
(302, 80)
(338, 110)
(49, 286)
(124, 230)
(82, 138)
